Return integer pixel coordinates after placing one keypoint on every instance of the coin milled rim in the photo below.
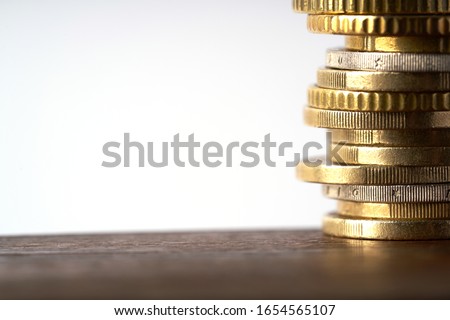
(389, 193)
(386, 229)
(380, 25)
(372, 174)
(344, 100)
(372, 7)
(365, 120)
(387, 61)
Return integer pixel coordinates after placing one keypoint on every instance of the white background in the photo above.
(76, 74)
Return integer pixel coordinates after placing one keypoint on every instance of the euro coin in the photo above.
(345, 100)
(385, 61)
(386, 229)
(381, 25)
(389, 193)
(398, 44)
(393, 138)
(383, 81)
(372, 6)
(335, 119)
(392, 156)
(419, 210)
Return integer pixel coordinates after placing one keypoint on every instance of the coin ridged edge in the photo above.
(365, 120)
(388, 193)
(333, 99)
(399, 25)
(372, 175)
(371, 6)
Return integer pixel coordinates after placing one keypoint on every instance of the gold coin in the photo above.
(386, 229)
(393, 156)
(393, 138)
(372, 174)
(381, 25)
(372, 6)
(398, 44)
(383, 81)
(425, 210)
(345, 100)
(411, 193)
(366, 120)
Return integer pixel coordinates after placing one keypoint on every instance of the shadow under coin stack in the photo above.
(386, 97)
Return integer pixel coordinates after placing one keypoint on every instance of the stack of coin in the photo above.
(385, 99)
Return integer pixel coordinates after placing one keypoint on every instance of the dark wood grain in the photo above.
(221, 265)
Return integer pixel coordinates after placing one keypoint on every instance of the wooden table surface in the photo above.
(221, 265)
